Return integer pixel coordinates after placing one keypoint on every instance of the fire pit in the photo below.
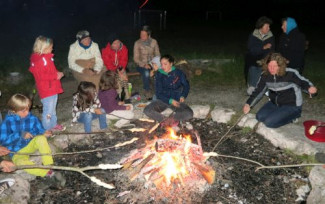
(171, 163)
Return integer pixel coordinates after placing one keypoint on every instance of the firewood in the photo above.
(207, 173)
(135, 171)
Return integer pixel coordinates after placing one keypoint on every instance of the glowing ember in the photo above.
(170, 160)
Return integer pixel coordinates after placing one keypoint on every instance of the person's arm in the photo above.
(258, 93)
(185, 84)
(124, 57)
(160, 91)
(136, 54)
(98, 58)
(105, 56)
(41, 72)
(72, 57)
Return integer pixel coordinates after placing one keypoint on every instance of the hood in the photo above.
(291, 24)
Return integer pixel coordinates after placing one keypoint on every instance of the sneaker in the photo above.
(56, 178)
(59, 128)
(5, 184)
(295, 120)
(250, 90)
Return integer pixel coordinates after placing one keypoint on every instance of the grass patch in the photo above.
(305, 158)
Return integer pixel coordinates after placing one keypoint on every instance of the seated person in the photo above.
(85, 59)
(172, 88)
(284, 86)
(115, 58)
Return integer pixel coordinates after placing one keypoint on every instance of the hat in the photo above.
(315, 130)
(82, 35)
(156, 60)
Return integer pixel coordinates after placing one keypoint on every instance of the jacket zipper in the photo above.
(276, 96)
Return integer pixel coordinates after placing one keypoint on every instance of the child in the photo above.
(107, 96)
(86, 106)
(47, 80)
(22, 132)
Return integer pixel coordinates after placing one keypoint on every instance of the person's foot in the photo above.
(58, 127)
(250, 90)
(55, 178)
(5, 184)
(169, 122)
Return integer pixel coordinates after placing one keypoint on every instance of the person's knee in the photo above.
(271, 123)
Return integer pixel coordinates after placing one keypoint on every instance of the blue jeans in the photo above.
(274, 116)
(87, 118)
(154, 109)
(49, 119)
(145, 73)
(254, 74)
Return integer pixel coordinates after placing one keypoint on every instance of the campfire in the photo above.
(171, 161)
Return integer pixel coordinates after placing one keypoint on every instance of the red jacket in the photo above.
(114, 59)
(45, 73)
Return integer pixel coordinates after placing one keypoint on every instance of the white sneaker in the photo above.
(250, 90)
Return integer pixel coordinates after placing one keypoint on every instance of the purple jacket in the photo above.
(108, 100)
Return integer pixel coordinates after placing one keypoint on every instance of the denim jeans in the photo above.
(254, 74)
(87, 118)
(145, 73)
(49, 119)
(154, 109)
(274, 116)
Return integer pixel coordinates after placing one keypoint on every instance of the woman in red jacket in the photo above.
(115, 58)
(47, 79)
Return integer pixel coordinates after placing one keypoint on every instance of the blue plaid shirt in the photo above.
(14, 128)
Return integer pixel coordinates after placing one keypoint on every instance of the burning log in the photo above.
(208, 173)
(135, 171)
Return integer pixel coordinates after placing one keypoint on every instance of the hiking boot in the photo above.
(56, 178)
(58, 128)
(5, 184)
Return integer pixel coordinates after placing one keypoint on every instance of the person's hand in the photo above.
(90, 63)
(60, 75)
(147, 66)
(98, 111)
(120, 103)
(246, 108)
(28, 135)
(175, 103)
(48, 133)
(128, 107)
(4, 151)
(7, 166)
(181, 100)
(312, 90)
(267, 46)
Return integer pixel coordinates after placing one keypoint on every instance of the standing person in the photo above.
(292, 44)
(87, 107)
(47, 79)
(145, 49)
(172, 89)
(260, 43)
(85, 59)
(284, 86)
(115, 57)
(107, 96)
(22, 132)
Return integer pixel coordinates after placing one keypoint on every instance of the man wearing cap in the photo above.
(85, 59)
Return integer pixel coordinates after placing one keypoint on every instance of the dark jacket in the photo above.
(255, 45)
(292, 47)
(172, 85)
(283, 90)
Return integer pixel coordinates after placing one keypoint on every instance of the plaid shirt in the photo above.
(14, 128)
(76, 111)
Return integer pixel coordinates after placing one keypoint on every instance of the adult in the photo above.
(292, 44)
(260, 43)
(115, 58)
(172, 89)
(85, 59)
(284, 86)
(145, 49)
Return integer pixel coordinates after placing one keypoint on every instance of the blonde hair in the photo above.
(280, 60)
(41, 43)
(19, 102)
